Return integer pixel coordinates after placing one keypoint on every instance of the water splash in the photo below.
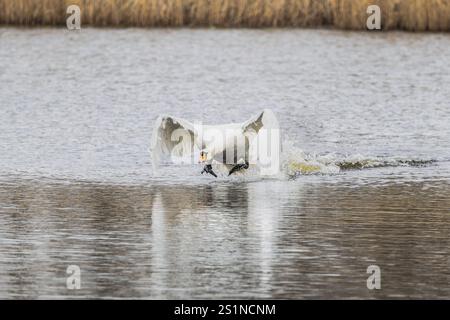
(296, 162)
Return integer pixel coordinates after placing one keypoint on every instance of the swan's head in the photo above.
(203, 156)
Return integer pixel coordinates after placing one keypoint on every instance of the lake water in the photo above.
(365, 177)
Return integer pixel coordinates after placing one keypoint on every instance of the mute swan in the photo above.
(235, 146)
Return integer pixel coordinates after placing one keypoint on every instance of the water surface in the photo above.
(370, 110)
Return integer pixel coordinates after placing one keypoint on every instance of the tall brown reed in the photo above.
(414, 15)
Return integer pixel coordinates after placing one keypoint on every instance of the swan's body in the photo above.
(234, 145)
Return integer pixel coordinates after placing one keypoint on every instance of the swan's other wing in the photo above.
(265, 119)
(263, 133)
(172, 136)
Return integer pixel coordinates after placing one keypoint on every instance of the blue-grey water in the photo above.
(368, 112)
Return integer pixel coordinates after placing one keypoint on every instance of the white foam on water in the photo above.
(296, 162)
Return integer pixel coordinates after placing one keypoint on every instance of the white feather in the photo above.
(178, 137)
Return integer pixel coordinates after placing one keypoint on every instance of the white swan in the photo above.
(235, 146)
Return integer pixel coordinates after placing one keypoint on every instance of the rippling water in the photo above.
(366, 174)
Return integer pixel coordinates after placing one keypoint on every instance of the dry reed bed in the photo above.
(413, 15)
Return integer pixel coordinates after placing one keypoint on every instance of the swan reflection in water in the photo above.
(266, 239)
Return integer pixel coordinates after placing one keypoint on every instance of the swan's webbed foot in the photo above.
(238, 167)
(208, 169)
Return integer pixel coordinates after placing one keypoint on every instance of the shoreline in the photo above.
(401, 15)
(190, 28)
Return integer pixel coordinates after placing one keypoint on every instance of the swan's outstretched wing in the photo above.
(265, 119)
(172, 136)
(263, 133)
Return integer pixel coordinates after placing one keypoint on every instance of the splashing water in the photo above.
(296, 162)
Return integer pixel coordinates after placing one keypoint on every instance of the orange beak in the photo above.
(202, 156)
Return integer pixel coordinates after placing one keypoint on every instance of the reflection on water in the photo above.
(268, 239)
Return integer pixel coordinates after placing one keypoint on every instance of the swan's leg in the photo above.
(208, 169)
(238, 167)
